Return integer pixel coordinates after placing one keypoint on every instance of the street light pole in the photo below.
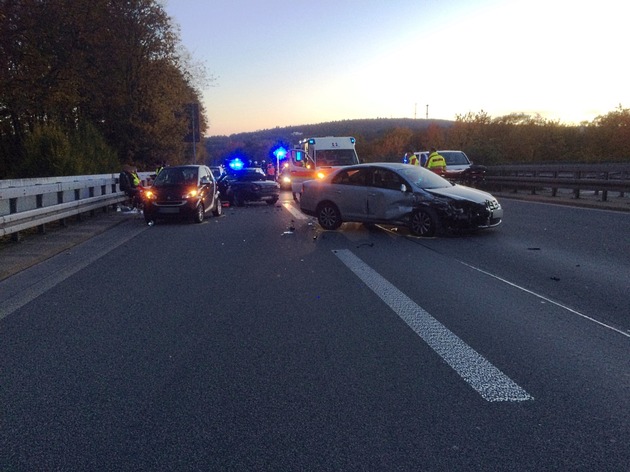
(194, 139)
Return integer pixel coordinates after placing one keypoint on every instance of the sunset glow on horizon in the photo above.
(285, 63)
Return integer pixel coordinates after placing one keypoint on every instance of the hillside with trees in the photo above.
(86, 85)
(510, 139)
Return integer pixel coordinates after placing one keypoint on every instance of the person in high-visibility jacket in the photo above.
(135, 178)
(412, 157)
(436, 162)
(129, 182)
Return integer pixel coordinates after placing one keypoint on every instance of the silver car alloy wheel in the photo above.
(199, 213)
(328, 216)
(422, 223)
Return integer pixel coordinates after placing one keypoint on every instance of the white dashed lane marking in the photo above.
(492, 384)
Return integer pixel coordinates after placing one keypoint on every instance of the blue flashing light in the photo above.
(311, 141)
(280, 153)
(236, 164)
(352, 140)
(298, 156)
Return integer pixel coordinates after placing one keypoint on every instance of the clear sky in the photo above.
(280, 63)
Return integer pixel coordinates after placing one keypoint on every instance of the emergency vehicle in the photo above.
(315, 158)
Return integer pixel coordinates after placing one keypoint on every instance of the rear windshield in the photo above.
(249, 175)
(455, 158)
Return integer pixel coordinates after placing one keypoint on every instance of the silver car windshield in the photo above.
(423, 178)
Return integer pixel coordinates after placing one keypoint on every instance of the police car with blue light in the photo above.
(247, 184)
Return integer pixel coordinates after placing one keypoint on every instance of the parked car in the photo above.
(217, 171)
(248, 185)
(397, 193)
(182, 191)
(459, 168)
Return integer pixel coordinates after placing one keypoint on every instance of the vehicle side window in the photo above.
(351, 177)
(341, 178)
(384, 178)
(205, 172)
(300, 158)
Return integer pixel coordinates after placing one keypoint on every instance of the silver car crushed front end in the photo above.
(466, 214)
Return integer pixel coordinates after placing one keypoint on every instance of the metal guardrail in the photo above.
(30, 203)
(601, 178)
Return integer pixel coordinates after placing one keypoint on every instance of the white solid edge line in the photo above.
(16, 302)
(560, 305)
(492, 384)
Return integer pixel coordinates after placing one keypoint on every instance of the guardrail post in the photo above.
(605, 192)
(15, 237)
(533, 189)
(576, 191)
(91, 194)
(103, 192)
(39, 203)
(77, 197)
(63, 222)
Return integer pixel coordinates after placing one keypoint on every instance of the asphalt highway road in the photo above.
(257, 341)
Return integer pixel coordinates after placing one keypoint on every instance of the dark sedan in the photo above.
(248, 185)
(395, 193)
(182, 191)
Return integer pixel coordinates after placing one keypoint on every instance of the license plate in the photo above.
(169, 210)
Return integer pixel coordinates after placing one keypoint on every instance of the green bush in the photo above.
(47, 153)
(51, 151)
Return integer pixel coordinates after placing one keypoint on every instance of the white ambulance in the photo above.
(314, 158)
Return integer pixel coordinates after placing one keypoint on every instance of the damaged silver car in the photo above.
(398, 194)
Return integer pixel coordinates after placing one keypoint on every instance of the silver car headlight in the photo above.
(493, 204)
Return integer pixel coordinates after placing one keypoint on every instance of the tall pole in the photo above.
(194, 139)
(427, 111)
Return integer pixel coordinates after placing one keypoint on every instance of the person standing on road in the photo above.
(413, 158)
(129, 182)
(159, 168)
(271, 172)
(436, 162)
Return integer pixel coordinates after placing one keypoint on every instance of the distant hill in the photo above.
(257, 145)
(512, 139)
(363, 127)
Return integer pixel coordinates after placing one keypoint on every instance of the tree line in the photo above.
(512, 139)
(87, 85)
